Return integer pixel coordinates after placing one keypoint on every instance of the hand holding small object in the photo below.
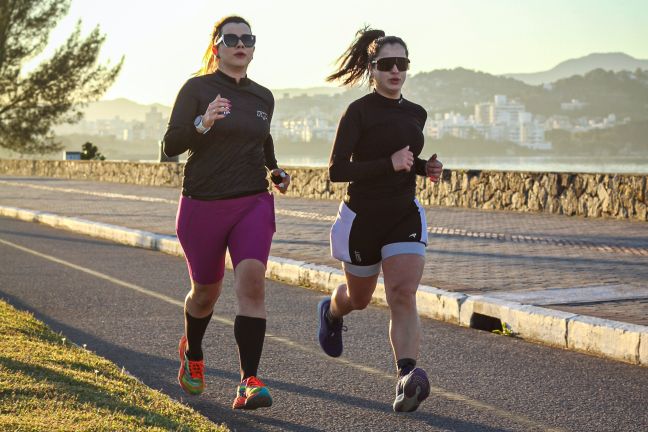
(281, 179)
(433, 168)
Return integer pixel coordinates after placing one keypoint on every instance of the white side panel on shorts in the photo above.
(340, 233)
(403, 248)
(424, 231)
(362, 271)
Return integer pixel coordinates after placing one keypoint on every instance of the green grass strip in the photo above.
(49, 384)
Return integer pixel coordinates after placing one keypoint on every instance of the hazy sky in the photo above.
(299, 40)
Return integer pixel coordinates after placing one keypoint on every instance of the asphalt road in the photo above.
(126, 305)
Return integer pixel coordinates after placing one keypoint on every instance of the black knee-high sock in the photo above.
(249, 333)
(195, 328)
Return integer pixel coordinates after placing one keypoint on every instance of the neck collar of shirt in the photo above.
(387, 100)
(223, 76)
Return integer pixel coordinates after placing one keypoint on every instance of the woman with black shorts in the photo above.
(380, 223)
(223, 119)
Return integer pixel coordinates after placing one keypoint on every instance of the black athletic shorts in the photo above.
(362, 239)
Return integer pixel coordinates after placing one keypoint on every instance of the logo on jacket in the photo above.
(262, 115)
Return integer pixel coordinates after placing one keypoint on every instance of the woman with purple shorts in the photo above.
(223, 119)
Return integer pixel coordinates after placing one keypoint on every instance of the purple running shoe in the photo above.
(330, 334)
(411, 390)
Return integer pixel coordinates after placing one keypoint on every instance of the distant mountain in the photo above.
(459, 90)
(129, 110)
(580, 66)
(122, 108)
(622, 93)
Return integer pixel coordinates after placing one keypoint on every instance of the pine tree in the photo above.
(55, 91)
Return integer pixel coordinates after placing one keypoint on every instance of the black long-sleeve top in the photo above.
(230, 160)
(372, 129)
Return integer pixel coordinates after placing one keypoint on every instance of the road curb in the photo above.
(612, 339)
(525, 321)
(601, 337)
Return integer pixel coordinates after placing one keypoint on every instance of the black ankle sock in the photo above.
(330, 318)
(195, 329)
(249, 333)
(405, 366)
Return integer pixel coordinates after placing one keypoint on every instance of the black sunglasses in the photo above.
(231, 40)
(386, 64)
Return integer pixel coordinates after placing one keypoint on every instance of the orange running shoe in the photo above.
(191, 375)
(252, 394)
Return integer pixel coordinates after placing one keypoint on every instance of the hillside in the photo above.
(580, 66)
(123, 108)
(622, 93)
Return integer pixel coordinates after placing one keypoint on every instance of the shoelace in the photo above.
(196, 369)
(338, 329)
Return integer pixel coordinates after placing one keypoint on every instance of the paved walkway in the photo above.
(586, 266)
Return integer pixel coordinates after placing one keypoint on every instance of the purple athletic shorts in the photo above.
(206, 229)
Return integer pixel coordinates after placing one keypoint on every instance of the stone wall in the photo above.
(620, 196)
(149, 174)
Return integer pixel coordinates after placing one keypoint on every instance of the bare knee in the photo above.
(401, 297)
(356, 294)
(250, 290)
(360, 302)
(203, 297)
(251, 297)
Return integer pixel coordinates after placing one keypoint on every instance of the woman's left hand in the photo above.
(434, 168)
(285, 179)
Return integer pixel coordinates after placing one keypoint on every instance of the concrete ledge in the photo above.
(606, 338)
(169, 245)
(16, 213)
(526, 321)
(438, 304)
(643, 349)
(114, 233)
(284, 270)
(314, 276)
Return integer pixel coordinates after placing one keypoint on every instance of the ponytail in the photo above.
(210, 59)
(353, 65)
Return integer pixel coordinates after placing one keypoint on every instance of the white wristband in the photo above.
(199, 126)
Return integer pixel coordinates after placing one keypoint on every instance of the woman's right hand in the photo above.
(218, 109)
(403, 159)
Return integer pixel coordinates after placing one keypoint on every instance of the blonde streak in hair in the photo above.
(212, 64)
(207, 62)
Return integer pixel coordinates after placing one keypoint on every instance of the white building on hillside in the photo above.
(500, 120)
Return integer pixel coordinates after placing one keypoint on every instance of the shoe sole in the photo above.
(259, 400)
(415, 391)
(320, 312)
